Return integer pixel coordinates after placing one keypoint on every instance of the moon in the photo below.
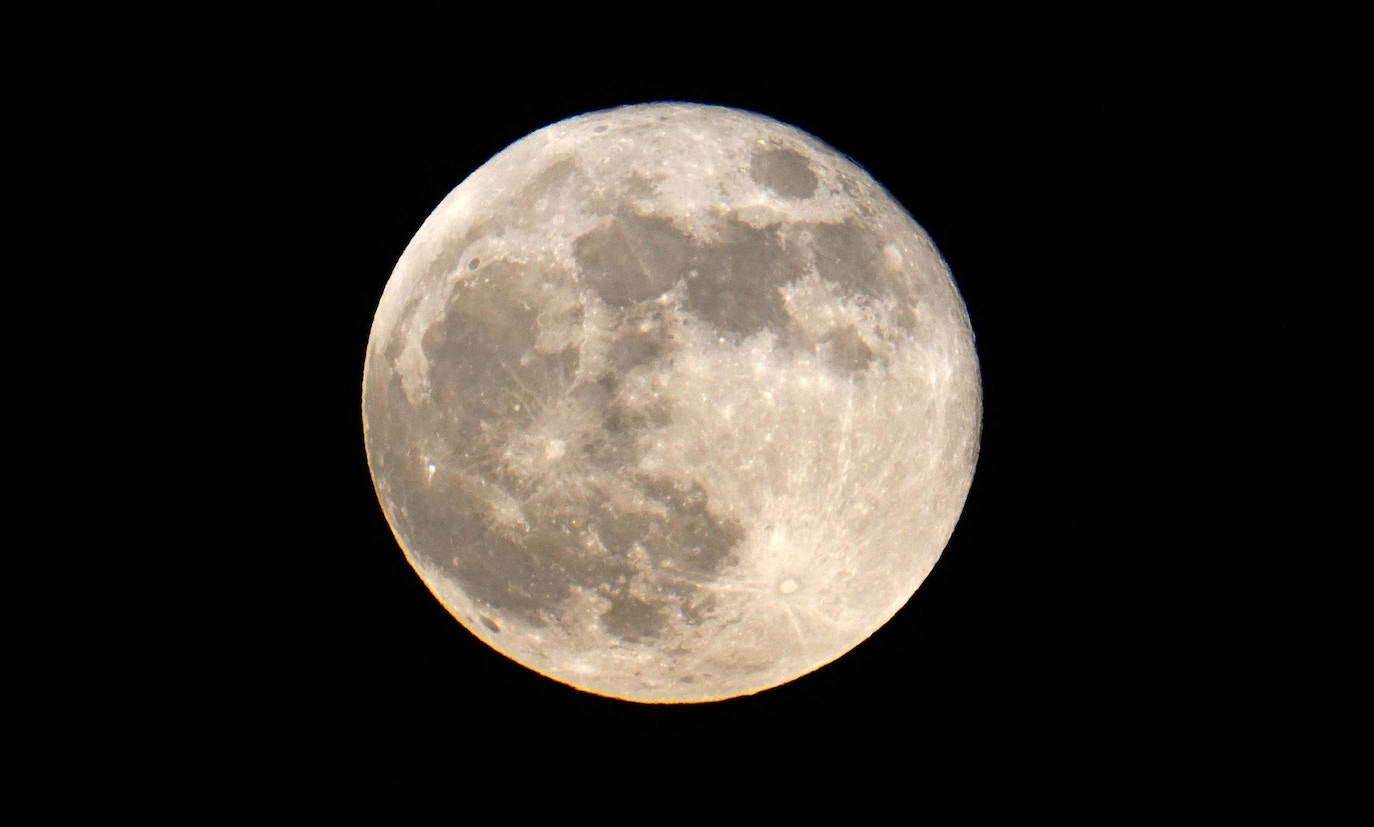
(671, 403)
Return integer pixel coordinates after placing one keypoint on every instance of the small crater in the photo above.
(555, 450)
(788, 586)
(784, 172)
(892, 256)
(474, 264)
(490, 624)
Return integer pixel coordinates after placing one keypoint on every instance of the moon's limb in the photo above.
(671, 403)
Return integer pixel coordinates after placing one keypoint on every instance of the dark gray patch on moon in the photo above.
(525, 572)
(851, 255)
(843, 348)
(632, 618)
(677, 547)
(731, 283)
(632, 259)
(516, 521)
(475, 370)
(785, 172)
(642, 338)
(690, 539)
(521, 546)
(735, 282)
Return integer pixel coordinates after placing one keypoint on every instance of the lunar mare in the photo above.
(671, 403)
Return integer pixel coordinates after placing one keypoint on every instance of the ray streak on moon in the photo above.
(671, 403)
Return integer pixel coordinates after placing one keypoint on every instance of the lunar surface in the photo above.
(671, 403)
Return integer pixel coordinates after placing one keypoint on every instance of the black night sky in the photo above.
(1095, 610)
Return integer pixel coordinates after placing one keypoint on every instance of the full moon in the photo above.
(671, 403)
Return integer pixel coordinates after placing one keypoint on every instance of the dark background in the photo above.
(1097, 614)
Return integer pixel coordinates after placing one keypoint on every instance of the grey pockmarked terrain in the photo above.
(671, 403)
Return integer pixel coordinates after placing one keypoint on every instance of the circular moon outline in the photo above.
(671, 403)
